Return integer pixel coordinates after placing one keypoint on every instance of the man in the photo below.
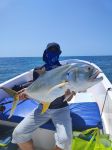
(58, 110)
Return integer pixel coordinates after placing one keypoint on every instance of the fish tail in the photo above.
(9, 91)
(15, 95)
(15, 102)
(45, 107)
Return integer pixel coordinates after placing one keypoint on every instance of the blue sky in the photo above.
(81, 27)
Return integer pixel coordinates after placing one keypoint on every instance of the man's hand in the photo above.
(41, 71)
(69, 95)
(22, 95)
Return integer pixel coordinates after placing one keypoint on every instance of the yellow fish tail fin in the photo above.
(9, 91)
(15, 102)
(15, 95)
(45, 107)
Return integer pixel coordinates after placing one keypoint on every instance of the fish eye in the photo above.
(89, 68)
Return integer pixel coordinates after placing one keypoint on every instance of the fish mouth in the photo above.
(95, 76)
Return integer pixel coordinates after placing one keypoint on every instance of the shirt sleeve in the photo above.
(35, 74)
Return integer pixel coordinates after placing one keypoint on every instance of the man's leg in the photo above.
(62, 121)
(22, 134)
(57, 148)
(26, 146)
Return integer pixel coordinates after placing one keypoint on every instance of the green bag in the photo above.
(91, 139)
(102, 142)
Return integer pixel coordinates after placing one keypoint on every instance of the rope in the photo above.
(109, 89)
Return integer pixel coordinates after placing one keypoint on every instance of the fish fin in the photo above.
(9, 91)
(15, 102)
(16, 98)
(45, 107)
(61, 85)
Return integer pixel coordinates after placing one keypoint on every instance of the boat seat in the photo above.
(84, 115)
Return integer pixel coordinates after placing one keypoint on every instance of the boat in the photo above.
(95, 104)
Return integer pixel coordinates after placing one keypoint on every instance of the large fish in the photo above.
(77, 77)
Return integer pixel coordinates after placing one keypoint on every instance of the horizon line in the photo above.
(60, 56)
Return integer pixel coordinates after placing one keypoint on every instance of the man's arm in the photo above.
(37, 72)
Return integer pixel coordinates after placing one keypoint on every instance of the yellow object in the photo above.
(91, 139)
(16, 98)
(45, 107)
(9, 91)
(15, 102)
(3, 145)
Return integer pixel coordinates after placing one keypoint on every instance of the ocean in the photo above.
(13, 66)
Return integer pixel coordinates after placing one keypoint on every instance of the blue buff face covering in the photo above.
(52, 57)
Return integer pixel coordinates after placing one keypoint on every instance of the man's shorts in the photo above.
(61, 119)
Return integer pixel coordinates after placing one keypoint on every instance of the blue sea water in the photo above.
(13, 66)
